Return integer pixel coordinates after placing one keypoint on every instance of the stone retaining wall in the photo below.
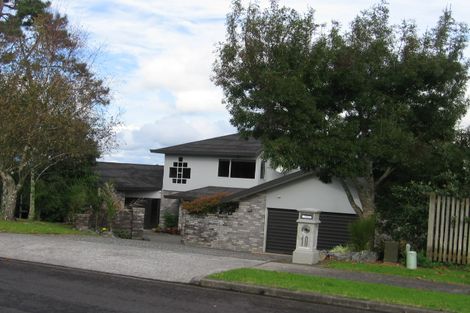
(242, 230)
(129, 222)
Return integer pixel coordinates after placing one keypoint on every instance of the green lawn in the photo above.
(36, 227)
(453, 275)
(350, 289)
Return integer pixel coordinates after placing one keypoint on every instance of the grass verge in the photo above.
(453, 275)
(36, 227)
(350, 289)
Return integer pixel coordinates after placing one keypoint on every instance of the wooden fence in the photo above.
(448, 229)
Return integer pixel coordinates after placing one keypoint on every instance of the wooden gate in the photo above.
(448, 229)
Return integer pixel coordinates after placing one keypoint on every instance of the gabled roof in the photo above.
(228, 146)
(131, 177)
(200, 192)
(268, 185)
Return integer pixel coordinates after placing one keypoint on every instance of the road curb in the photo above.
(309, 297)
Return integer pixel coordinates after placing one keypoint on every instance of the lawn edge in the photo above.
(398, 275)
(312, 297)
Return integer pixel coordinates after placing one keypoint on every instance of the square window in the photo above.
(180, 164)
(174, 181)
(180, 159)
(187, 173)
(175, 164)
(185, 164)
(179, 175)
(179, 181)
(172, 172)
(184, 181)
(180, 169)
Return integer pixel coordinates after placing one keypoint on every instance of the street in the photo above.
(33, 288)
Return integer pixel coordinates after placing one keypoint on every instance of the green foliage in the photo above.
(435, 272)
(351, 289)
(362, 233)
(52, 105)
(109, 202)
(123, 234)
(170, 220)
(22, 14)
(68, 188)
(348, 104)
(340, 249)
(36, 227)
(210, 205)
(403, 212)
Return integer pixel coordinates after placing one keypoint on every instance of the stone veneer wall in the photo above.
(241, 231)
(168, 205)
(130, 221)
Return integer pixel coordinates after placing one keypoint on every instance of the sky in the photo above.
(157, 56)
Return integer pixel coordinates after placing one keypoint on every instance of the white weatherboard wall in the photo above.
(204, 172)
(310, 192)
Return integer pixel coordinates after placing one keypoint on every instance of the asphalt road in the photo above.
(34, 288)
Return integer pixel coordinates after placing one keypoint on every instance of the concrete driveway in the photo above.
(166, 260)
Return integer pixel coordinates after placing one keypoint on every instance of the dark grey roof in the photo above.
(206, 191)
(131, 177)
(268, 185)
(230, 146)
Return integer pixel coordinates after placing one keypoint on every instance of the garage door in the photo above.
(282, 230)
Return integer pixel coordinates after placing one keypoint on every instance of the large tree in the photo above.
(352, 104)
(51, 103)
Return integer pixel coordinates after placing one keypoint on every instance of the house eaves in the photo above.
(201, 192)
(225, 146)
(267, 186)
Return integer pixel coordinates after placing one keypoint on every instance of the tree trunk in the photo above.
(9, 193)
(32, 198)
(365, 192)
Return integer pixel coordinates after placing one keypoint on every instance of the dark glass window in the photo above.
(180, 172)
(262, 170)
(243, 169)
(224, 168)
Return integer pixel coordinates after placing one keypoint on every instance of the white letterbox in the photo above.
(307, 236)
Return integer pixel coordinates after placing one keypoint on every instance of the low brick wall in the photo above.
(241, 231)
(129, 222)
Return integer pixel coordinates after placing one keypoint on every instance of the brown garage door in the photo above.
(282, 230)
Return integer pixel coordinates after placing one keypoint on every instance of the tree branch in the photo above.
(351, 200)
(387, 172)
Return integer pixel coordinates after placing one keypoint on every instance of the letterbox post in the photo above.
(307, 235)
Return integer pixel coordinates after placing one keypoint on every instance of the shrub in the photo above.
(170, 220)
(210, 204)
(362, 233)
(123, 234)
(403, 213)
(340, 249)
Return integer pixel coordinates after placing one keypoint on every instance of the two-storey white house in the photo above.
(265, 220)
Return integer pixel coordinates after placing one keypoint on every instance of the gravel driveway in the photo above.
(165, 259)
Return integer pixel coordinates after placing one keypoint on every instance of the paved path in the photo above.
(366, 277)
(125, 257)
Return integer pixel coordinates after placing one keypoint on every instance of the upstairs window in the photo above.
(237, 168)
(180, 172)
